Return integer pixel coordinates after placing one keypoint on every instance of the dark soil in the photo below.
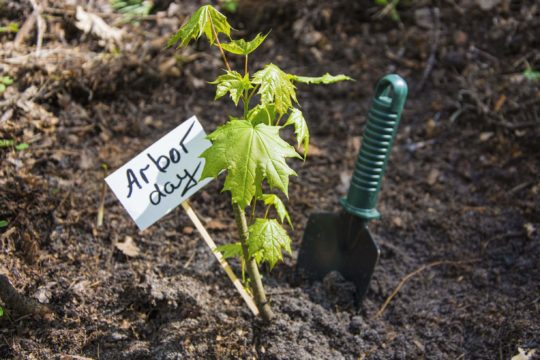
(462, 186)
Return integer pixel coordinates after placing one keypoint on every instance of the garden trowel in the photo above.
(342, 241)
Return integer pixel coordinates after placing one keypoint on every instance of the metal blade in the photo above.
(338, 242)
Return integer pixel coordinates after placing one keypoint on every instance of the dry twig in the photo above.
(19, 303)
(410, 275)
(41, 25)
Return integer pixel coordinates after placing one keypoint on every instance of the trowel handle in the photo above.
(382, 123)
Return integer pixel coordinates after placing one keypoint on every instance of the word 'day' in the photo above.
(162, 176)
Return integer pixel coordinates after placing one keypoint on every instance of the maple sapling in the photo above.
(250, 148)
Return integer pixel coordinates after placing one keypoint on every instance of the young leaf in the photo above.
(530, 74)
(268, 237)
(262, 114)
(272, 199)
(6, 143)
(275, 88)
(201, 23)
(233, 83)
(250, 153)
(22, 146)
(243, 47)
(301, 130)
(3, 223)
(6, 80)
(325, 79)
(230, 250)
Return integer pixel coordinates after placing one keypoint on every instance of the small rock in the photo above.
(487, 4)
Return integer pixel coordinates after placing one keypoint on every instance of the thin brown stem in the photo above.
(246, 66)
(251, 265)
(219, 45)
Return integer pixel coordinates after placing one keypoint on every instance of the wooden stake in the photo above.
(236, 282)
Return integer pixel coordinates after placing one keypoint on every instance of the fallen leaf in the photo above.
(522, 355)
(91, 23)
(216, 225)
(314, 151)
(128, 247)
(187, 230)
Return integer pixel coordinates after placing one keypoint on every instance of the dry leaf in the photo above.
(91, 23)
(216, 225)
(128, 247)
(523, 355)
(315, 151)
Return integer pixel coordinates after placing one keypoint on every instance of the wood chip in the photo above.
(128, 247)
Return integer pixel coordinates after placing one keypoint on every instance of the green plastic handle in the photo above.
(383, 119)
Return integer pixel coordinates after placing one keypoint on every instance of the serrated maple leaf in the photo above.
(233, 83)
(230, 250)
(200, 23)
(281, 210)
(265, 114)
(275, 88)
(301, 130)
(250, 154)
(243, 47)
(268, 238)
(325, 79)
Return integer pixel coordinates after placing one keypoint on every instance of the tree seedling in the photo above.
(249, 147)
(5, 81)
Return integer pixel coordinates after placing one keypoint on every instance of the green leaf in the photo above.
(325, 79)
(262, 114)
(233, 83)
(1, 311)
(22, 146)
(531, 75)
(6, 80)
(243, 47)
(230, 250)
(10, 28)
(6, 143)
(230, 5)
(250, 153)
(301, 130)
(2, 88)
(272, 199)
(267, 237)
(201, 23)
(275, 88)
(3, 223)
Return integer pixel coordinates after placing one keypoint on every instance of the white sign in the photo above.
(162, 176)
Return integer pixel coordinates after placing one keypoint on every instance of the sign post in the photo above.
(165, 175)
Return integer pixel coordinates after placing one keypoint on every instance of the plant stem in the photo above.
(251, 265)
(219, 44)
(246, 66)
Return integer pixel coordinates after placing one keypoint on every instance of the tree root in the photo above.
(20, 303)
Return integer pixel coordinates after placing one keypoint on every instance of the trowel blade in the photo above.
(338, 242)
